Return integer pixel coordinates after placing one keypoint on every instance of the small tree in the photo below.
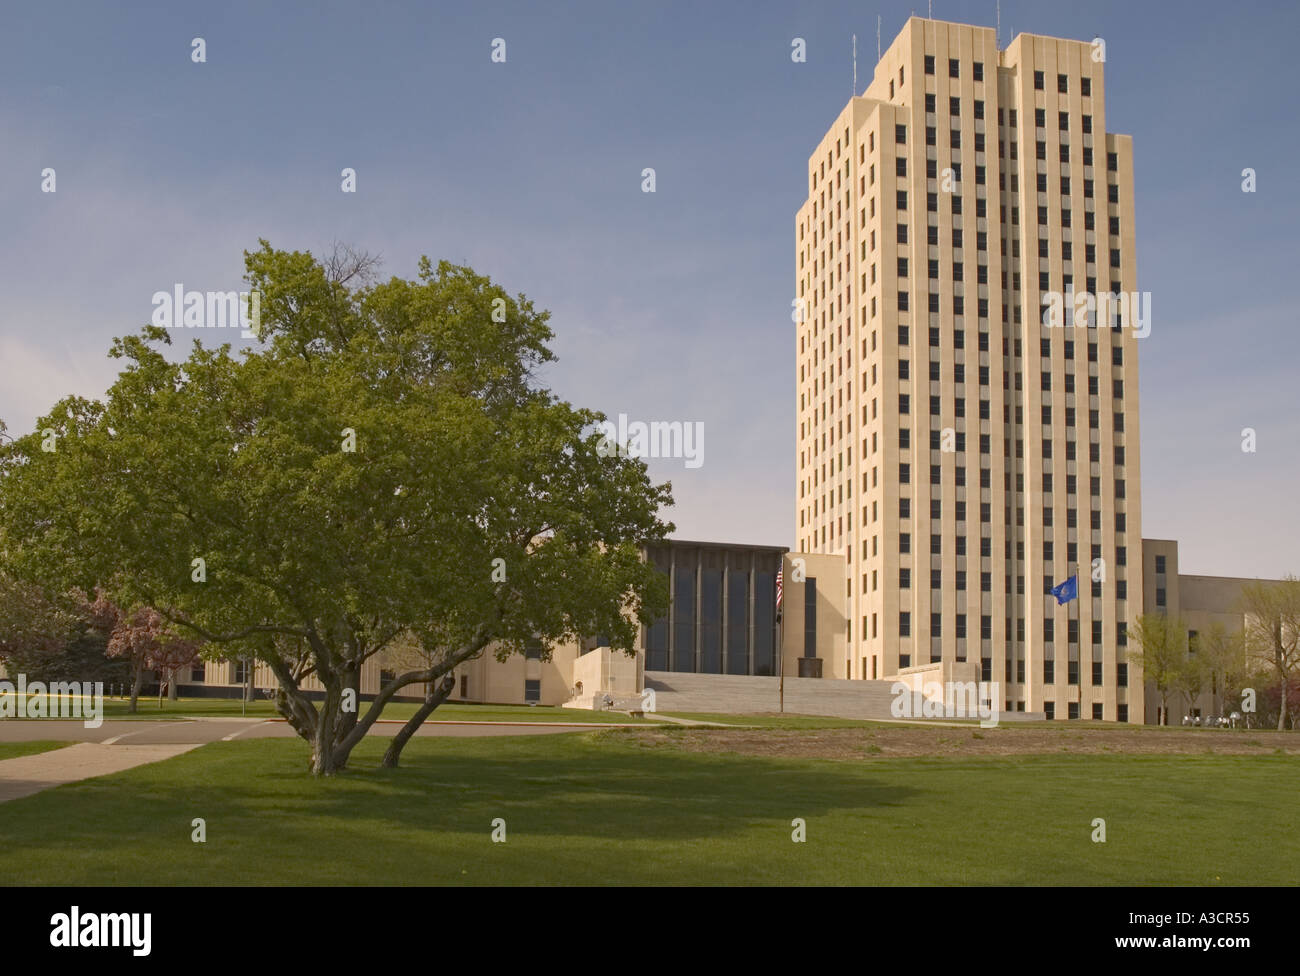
(1161, 653)
(33, 626)
(1272, 632)
(1222, 655)
(1192, 677)
(145, 639)
(49, 638)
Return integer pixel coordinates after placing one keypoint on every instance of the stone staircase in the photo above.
(735, 694)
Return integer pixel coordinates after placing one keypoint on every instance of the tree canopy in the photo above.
(382, 464)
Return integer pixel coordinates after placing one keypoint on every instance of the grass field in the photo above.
(12, 750)
(608, 807)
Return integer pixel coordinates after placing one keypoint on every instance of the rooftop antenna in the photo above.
(930, 10)
(877, 37)
(997, 37)
(855, 65)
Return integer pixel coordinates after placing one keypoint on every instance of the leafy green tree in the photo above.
(1192, 677)
(1161, 652)
(384, 464)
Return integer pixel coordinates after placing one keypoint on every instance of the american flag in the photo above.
(780, 574)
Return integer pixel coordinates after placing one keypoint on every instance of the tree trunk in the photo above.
(347, 721)
(137, 682)
(324, 761)
(431, 701)
(329, 753)
(1281, 716)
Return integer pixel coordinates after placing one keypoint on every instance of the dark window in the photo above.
(764, 623)
(684, 620)
(810, 617)
(711, 621)
(656, 645)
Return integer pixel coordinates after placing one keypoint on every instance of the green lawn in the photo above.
(12, 750)
(149, 709)
(597, 808)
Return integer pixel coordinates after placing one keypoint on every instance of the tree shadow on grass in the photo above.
(568, 802)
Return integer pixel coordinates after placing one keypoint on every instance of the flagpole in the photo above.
(780, 651)
(780, 633)
(1078, 639)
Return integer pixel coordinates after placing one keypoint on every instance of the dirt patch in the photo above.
(947, 742)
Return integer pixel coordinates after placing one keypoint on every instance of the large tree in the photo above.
(383, 464)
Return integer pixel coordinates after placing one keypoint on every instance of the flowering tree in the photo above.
(143, 637)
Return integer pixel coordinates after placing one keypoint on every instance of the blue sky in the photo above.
(666, 306)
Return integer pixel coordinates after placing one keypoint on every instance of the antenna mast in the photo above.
(855, 65)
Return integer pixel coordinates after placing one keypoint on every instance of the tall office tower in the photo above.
(960, 454)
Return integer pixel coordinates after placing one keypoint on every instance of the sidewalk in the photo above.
(31, 774)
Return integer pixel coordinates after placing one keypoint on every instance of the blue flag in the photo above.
(1067, 591)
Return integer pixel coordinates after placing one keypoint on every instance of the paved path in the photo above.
(199, 730)
(119, 745)
(674, 720)
(31, 774)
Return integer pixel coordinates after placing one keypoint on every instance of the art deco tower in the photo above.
(958, 453)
